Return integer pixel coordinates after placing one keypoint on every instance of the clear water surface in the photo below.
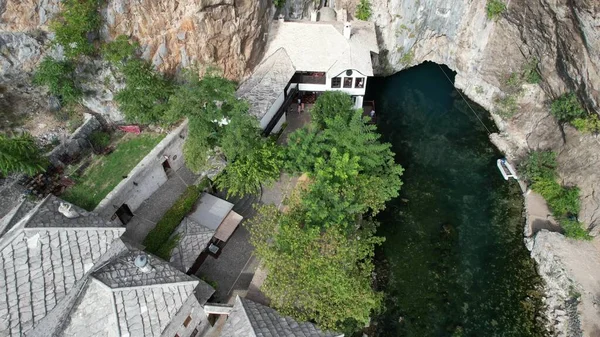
(454, 262)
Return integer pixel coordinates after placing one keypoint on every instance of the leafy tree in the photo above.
(363, 10)
(59, 77)
(20, 154)
(119, 50)
(146, 93)
(316, 275)
(245, 175)
(331, 103)
(73, 24)
(494, 8)
(567, 107)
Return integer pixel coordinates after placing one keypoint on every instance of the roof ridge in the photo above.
(243, 305)
(155, 285)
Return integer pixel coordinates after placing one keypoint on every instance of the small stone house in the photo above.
(67, 272)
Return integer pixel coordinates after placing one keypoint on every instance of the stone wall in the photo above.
(73, 146)
(147, 176)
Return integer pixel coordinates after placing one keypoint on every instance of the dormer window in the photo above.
(347, 82)
(359, 82)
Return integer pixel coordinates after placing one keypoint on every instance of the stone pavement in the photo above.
(155, 207)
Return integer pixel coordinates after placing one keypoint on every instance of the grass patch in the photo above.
(159, 241)
(588, 124)
(507, 106)
(494, 9)
(106, 172)
(540, 170)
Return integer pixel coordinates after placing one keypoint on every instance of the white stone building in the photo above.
(309, 57)
(67, 272)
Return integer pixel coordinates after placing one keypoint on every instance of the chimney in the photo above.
(313, 16)
(142, 263)
(347, 30)
(65, 209)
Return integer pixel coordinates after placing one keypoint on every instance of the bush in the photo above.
(573, 229)
(494, 9)
(73, 24)
(59, 77)
(279, 3)
(539, 165)
(144, 98)
(161, 233)
(363, 10)
(99, 140)
(589, 124)
(567, 108)
(530, 72)
(119, 50)
(566, 202)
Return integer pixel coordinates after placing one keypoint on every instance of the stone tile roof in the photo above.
(250, 319)
(121, 272)
(267, 82)
(16, 214)
(321, 46)
(11, 194)
(193, 239)
(65, 277)
(40, 265)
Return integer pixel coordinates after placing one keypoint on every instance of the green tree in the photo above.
(316, 275)
(245, 175)
(363, 10)
(119, 50)
(145, 96)
(59, 78)
(73, 24)
(20, 154)
(495, 8)
(567, 107)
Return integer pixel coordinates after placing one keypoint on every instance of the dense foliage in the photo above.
(540, 170)
(363, 10)
(20, 154)
(495, 8)
(245, 175)
(99, 140)
(567, 108)
(319, 251)
(588, 124)
(146, 93)
(59, 78)
(323, 276)
(119, 50)
(157, 238)
(73, 24)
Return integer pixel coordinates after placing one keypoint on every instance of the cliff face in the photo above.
(173, 35)
(564, 36)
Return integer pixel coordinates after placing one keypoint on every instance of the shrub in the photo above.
(73, 24)
(161, 233)
(539, 165)
(572, 229)
(494, 9)
(119, 50)
(530, 72)
(59, 77)
(144, 98)
(279, 3)
(507, 106)
(589, 124)
(567, 108)
(99, 140)
(363, 10)
(566, 202)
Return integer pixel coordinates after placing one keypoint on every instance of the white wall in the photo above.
(327, 86)
(272, 111)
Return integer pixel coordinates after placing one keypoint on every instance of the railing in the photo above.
(273, 122)
(315, 78)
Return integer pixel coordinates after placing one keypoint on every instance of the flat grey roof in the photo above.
(210, 211)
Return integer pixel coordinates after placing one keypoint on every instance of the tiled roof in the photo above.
(193, 239)
(121, 272)
(267, 82)
(321, 46)
(250, 319)
(68, 277)
(39, 266)
(16, 214)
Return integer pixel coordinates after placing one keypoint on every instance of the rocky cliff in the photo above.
(564, 36)
(173, 34)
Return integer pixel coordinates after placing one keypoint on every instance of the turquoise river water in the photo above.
(454, 262)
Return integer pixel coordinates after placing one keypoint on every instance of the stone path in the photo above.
(155, 207)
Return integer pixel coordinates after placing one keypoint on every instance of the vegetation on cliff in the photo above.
(567, 109)
(59, 77)
(319, 252)
(73, 25)
(20, 154)
(363, 10)
(494, 9)
(540, 170)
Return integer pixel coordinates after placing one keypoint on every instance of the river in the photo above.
(454, 262)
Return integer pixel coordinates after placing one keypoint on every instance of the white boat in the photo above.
(506, 169)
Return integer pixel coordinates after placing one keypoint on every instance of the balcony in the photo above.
(309, 78)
